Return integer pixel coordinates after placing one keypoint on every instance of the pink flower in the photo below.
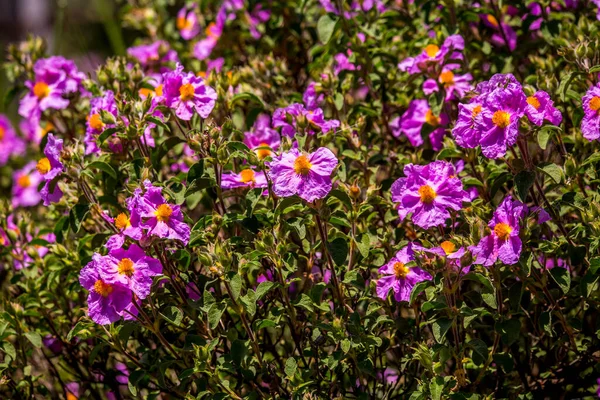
(415, 118)
(246, 178)
(25, 186)
(400, 278)
(186, 93)
(187, 22)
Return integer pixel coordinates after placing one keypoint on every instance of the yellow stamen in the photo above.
(447, 78)
(159, 90)
(400, 270)
(41, 90)
(476, 111)
(595, 103)
(24, 181)
(247, 175)
(145, 92)
(492, 20)
(201, 74)
(209, 30)
(2, 132)
(448, 247)
(96, 122)
(263, 153)
(432, 50)
(427, 194)
(71, 396)
(184, 23)
(302, 165)
(501, 119)
(534, 102)
(49, 128)
(163, 212)
(503, 231)
(187, 92)
(125, 267)
(431, 118)
(43, 166)
(122, 221)
(103, 288)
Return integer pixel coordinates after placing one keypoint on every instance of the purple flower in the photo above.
(311, 98)
(590, 124)
(467, 130)
(540, 107)
(300, 117)
(428, 191)
(255, 18)
(262, 138)
(447, 250)
(50, 167)
(25, 186)
(127, 225)
(106, 302)
(153, 56)
(306, 174)
(503, 242)
(186, 93)
(455, 86)
(33, 131)
(342, 63)
(94, 124)
(203, 49)
(130, 268)
(10, 143)
(412, 121)
(505, 35)
(187, 23)
(433, 55)
(246, 178)
(52, 343)
(160, 218)
(399, 277)
(550, 263)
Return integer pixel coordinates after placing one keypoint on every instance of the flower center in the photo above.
(427, 194)
(41, 90)
(186, 92)
(447, 78)
(209, 30)
(145, 92)
(125, 267)
(103, 288)
(2, 132)
(503, 231)
(501, 119)
(400, 270)
(432, 50)
(302, 165)
(431, 119)
(159, 90)
(448, 247)
(247, 175)
(163, 212)
(24, 181)
(184, 23)
(534, 102)
(595, 103)
(43, 166)
(122, 221)
(492, 20)
(263, 153)
(95, 122)
(476, 111)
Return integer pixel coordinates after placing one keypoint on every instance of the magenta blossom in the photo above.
(590, 124)
(455, 86)
(187, 93)
(187, 23)
(127, 225)
(262, 138)
(504, 34)
(10, 143)
(306, 174)
(130, 268)
(153, 56)
(160, 218)
(400, 277)
(203, 49)
(540, 107)
(300, 117)
(467, 129)
(25, 186)
(94, 124)
(106, 302)
(415, 118)
(51, 167)
(446, 250)
(503, 242)
(433, 55)
(428, 191)
(311, 98)
(246, 178)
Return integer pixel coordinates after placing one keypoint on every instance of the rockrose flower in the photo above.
(246, 178)
(186, 93)
(467, 129)
(160, 218)
(203, 49)
(131, 268)
(25, 186)
(503, 242)
(306, 174)
(433, 55)
(504, 34)
(94, 124)
(412, 121)
(50, 167)
(127, 225)
(10, 143)
(106, 302)
(399, 277)
(540, 107)
(311, 98)
(262, 138)
(187, 23)
(301, 118)
(34, 131)
(428, 192)
(455, 86)
(446, 250)
(590, 124)
(153, 56)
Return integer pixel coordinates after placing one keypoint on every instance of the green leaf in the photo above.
(417, 289)
(480, 351)
(440, 327)
(106, 134)
(546, 323)
(246, 96)
(80, 330)
(173, 315)
(338, 248)
(436, 387)
(346, 344)
(509, 330)
(9, 349)
(34, 338)
(290, 367)
(524, 181)
(232, 146)
(196, 171)
(562, 277)
(214, 315)
(553, 171)
(77, 216)
(102, 166)
(325, 28)
(263, 288)
(364, 245)
(236, 286)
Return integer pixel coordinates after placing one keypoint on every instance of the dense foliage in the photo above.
(307, 199)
